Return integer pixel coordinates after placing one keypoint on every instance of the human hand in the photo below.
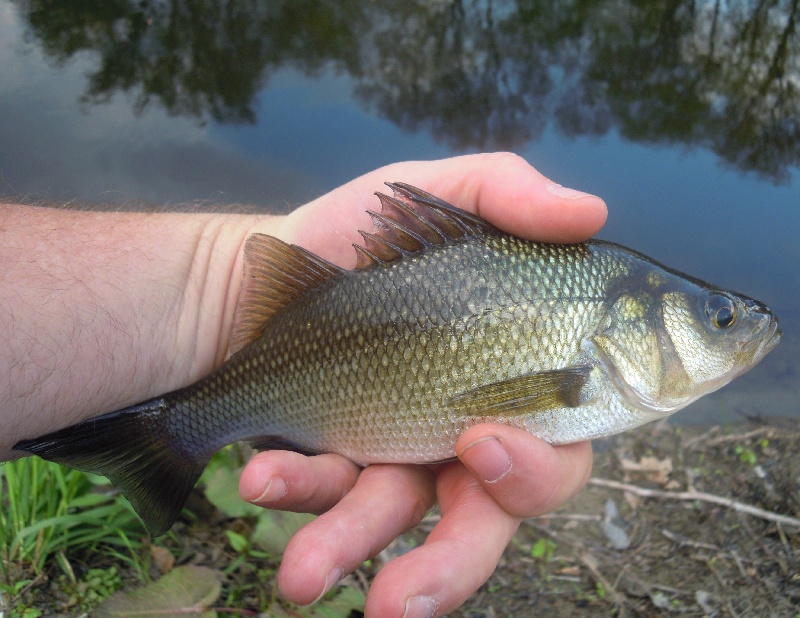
(503, 474)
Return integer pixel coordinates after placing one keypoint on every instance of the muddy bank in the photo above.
(676, 521)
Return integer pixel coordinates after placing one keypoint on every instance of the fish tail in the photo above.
(133, 447)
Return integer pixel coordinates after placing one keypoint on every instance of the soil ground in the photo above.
(659, 556)
(612, 550)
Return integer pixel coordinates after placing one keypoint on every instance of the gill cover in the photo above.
(676, 340)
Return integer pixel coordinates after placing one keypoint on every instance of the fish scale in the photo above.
(420, 375)
(446, 322)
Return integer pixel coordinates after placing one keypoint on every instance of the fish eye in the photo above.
(721, 310)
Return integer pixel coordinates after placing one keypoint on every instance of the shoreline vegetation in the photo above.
(676, 520)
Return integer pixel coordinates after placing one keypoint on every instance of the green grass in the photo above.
(48, 512)
(75, 531)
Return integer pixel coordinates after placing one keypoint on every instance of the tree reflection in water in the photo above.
(480, 75)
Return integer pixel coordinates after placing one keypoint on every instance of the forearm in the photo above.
(99, 310)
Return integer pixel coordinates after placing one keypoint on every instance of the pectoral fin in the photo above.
(525, 394)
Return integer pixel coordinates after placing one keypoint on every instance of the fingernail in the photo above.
(274, 491)
(420, 607)
(330, 581)
(566, 192)
(487, 458)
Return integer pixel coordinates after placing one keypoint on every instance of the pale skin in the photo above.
(101, 310)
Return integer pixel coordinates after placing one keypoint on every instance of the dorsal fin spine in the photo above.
(364, 257)
(399, 233)
(423, 228)
(382, 248)
(471, 224)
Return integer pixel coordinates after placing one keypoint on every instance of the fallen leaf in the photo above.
(654, 469)
(186, 590)
(614, 527)
(275, 529)
(162, 558)
(632, 499)
(570, 570)
(660, 600)
(704, 599)
(344, 602)
(222, 490)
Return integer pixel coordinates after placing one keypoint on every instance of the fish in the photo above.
(445, 322)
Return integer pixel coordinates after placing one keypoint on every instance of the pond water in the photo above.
(684, 116)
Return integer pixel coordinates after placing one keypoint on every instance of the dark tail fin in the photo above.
(134, 449)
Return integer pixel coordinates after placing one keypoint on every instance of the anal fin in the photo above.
(279, 443)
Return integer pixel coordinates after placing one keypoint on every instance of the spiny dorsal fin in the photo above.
(411, 221)
(275, 273)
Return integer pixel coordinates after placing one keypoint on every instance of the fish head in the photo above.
(716, 336)
(671, 339)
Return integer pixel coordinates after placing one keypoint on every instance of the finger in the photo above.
(386, 501)
(523, 473)
(458, 556)
(506, 190)
(292, 482)
(501, 187)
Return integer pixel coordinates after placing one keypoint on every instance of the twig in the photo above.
(740, 507)
(570, 517)
(362, 580)
(759, 540)
(671, 590)
(681, 540)
(706, 439)
(706, 435)
(34, 582)
(590, 561)
(710, 566)
(684, 541)
(740, 565)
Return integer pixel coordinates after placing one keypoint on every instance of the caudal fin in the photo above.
(134, 449)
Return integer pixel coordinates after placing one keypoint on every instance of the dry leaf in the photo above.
(162, 558)
(654, 469)
(570, 570)
(632, 499)
(186, 590)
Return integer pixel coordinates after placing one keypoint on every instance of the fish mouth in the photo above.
(764, 340)
(767, 338)
(774, 338)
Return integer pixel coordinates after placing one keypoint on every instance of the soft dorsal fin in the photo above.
(275, 273)
(411, 221)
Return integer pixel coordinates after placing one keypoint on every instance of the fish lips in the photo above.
(766, 335)
(770, 341)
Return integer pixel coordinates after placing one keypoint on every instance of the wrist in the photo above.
(104, 309)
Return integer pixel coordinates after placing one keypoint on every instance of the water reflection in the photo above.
(724, 76)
